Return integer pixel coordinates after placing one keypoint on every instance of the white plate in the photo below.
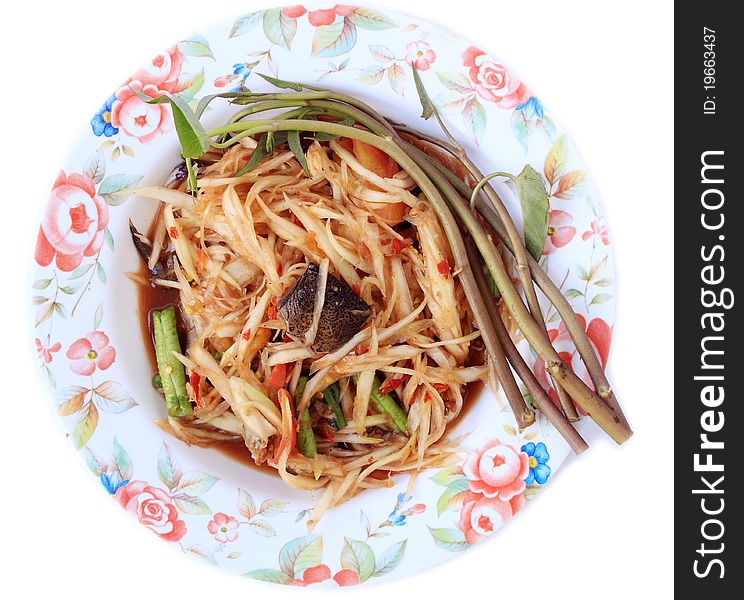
(88, 333)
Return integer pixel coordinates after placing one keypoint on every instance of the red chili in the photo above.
(441, 387)
(444, 268)
(173, 232)
(399, 245)
(273, 310)
(247, 335)
(277, 377)
(194, 380)
(391, 384)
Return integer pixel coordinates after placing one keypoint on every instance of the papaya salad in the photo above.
(340, 282)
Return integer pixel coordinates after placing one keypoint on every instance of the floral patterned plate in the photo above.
(198, 500)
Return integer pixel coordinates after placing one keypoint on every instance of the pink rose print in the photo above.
(598, 332)
(73, 223)
(344, 10)
(319, 18)
(310, 575)
(153, 508)
(163, 71)
(492, 81)
(560, 231)
(137, 118)
(346, 577)
(222, 81)
(90, 353)
(599, 230)
(316, 574)
(497, 470)
(44, 352)
(420, 55)
(294, 12)
(600, 336)
(481, 516)
(224, 528)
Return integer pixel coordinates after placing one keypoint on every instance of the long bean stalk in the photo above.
(170, 369)
(520, 256)
(447, 195)
(539, 398)
(514, 303)
(518, 247)
(574, 327)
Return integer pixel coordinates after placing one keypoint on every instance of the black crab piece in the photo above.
(344, 313)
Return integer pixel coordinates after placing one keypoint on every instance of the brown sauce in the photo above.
(472, 391)
(240, 454)
(152, 298)
(469, 397)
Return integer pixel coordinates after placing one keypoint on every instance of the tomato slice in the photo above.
(375, 159)
(278, 377)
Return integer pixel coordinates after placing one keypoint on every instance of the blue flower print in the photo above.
(398, 516)
(113, 481)
(532, 108)
(394, 518)
(242, 70)
(101, 121)
(538, 463)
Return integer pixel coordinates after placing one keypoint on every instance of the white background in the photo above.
(603, 528)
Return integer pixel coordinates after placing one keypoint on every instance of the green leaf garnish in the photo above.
(427, 107)
(191, 134)
(293, 138)
(535, 208)
(258, 153)
(281, 83)
(204, 102)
